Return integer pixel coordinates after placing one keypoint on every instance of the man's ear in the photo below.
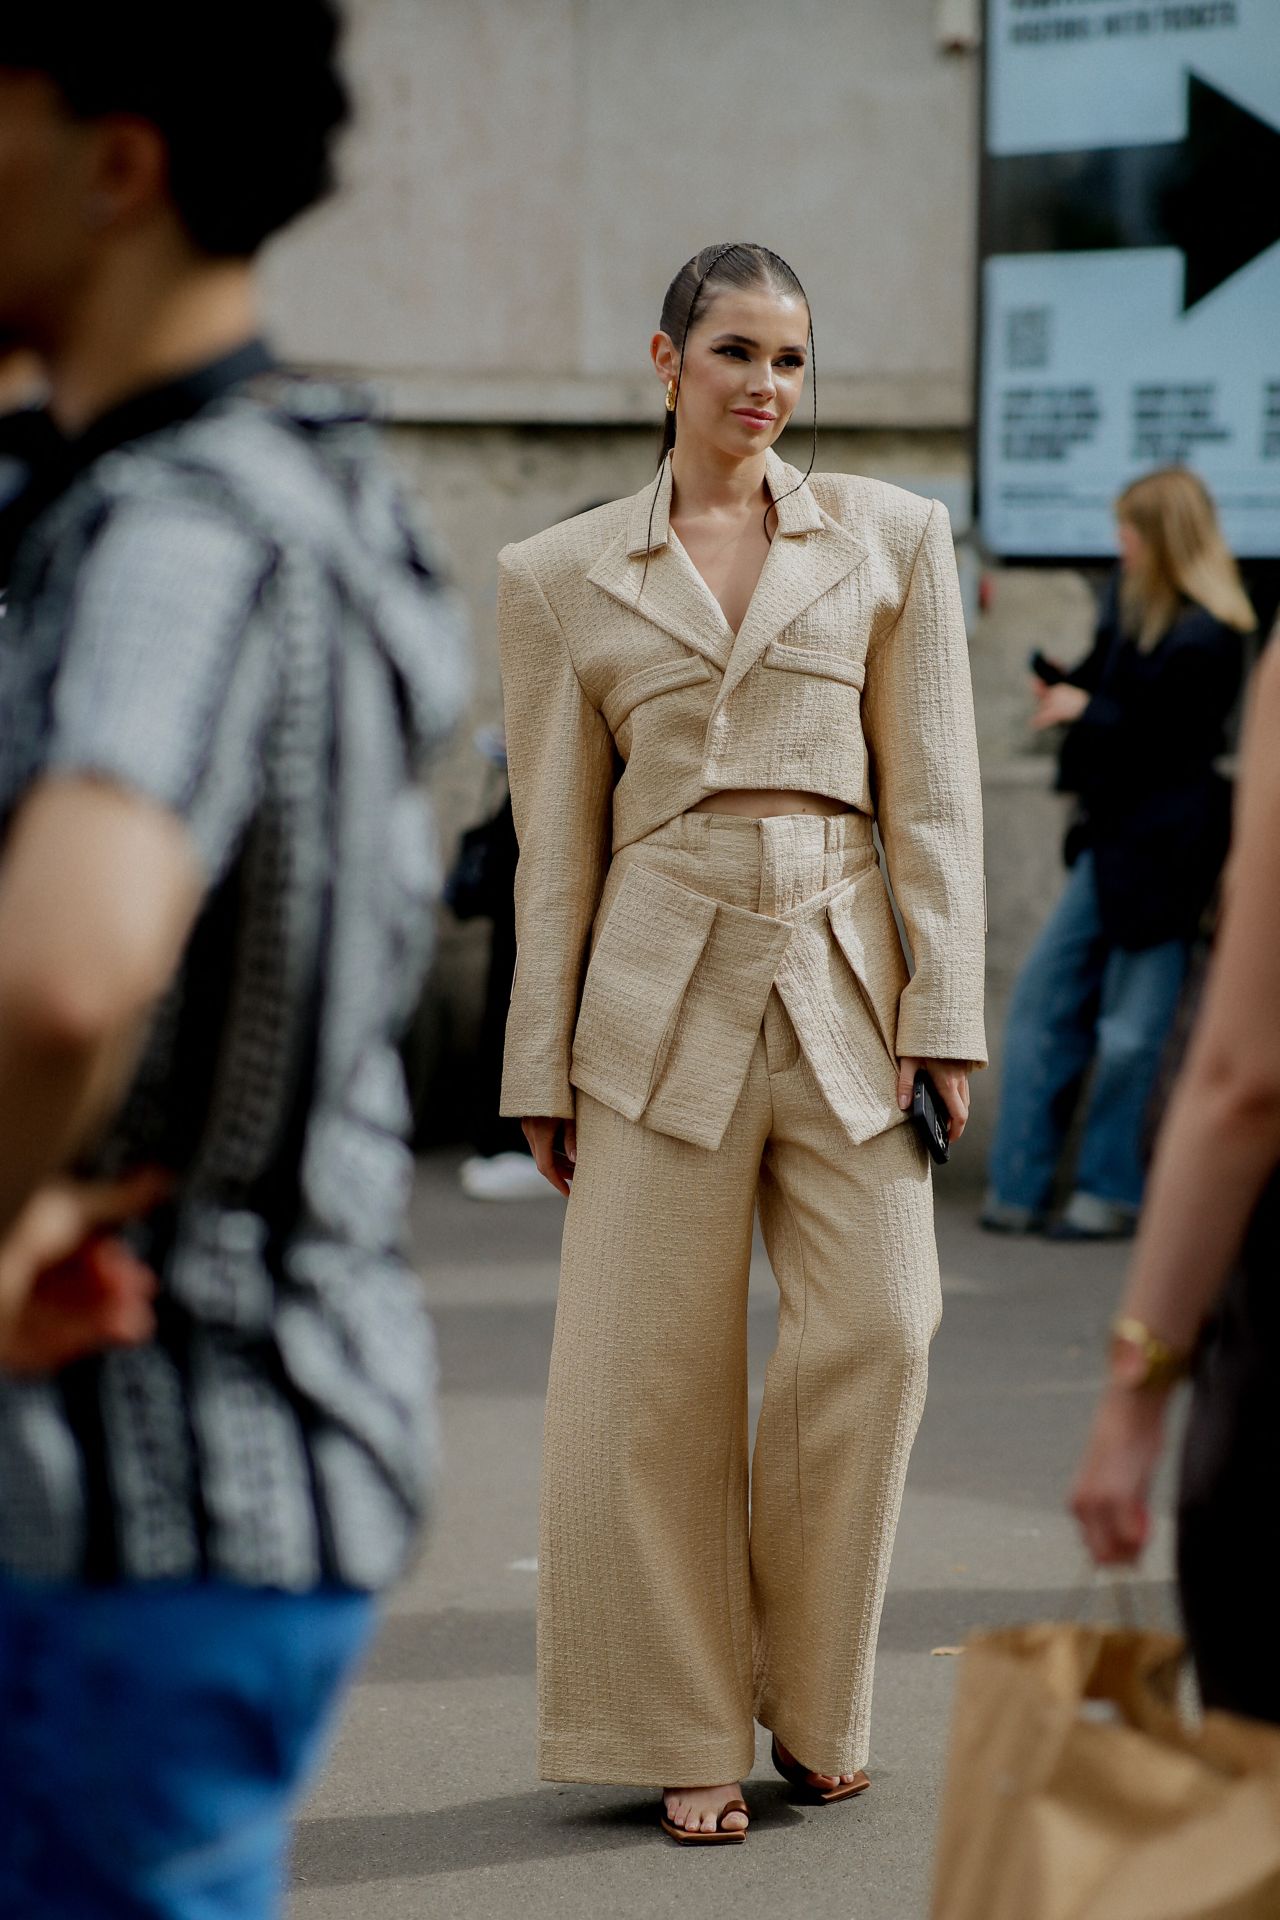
(128, 180)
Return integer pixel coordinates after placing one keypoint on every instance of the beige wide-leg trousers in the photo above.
(680, 1599)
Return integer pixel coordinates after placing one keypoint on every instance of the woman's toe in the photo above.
(734, 1822)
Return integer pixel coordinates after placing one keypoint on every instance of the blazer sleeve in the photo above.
(560, 762)
(919, 725)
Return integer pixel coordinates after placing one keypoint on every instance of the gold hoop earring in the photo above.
(671, 396)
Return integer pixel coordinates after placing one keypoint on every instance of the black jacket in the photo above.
(1140, 757)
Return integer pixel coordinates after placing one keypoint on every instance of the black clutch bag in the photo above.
(480, 881)
(930, 1118)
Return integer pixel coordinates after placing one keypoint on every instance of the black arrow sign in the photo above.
(1215, 194)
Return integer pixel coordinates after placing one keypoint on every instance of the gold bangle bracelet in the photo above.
(1163, 1365)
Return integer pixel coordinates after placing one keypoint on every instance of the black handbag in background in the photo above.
(480, 881)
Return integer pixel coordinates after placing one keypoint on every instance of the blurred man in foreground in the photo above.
(222, 657)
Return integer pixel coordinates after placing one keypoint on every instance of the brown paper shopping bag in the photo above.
(1076, 1791)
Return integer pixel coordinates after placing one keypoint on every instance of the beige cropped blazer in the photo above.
(628, 699)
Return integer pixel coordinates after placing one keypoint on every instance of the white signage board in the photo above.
(1131, 270)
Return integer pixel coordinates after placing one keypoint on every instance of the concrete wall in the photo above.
(525, 177)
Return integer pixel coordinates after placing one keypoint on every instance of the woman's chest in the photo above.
(659, 660)
(728, 563)
(670, 616)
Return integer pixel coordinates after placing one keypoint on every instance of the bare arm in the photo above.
(167, 679)
(1219, 1146)
(1221, 1141)
(98, 892)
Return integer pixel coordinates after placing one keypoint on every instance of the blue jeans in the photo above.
(153, 1740)
(1079, 1000)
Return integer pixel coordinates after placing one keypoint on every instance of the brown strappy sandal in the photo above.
(805, 1783)
(722, 1836)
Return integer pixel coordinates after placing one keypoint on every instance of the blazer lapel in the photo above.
(644, 572)
(811, 553)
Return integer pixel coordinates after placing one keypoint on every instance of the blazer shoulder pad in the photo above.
(873, 507)
(571, 546)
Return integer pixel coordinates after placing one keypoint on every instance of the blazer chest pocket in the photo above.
(668, 676)
(820, 662)
(672, 1004)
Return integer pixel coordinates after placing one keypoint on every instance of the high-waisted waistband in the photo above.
(699, 923)
(770, 865)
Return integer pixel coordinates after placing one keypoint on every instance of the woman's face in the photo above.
(1133, 548)
(743, 373)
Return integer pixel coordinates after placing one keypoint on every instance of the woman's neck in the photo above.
(704, 482)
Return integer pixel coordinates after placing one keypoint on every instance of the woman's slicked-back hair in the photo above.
(738, 264)
(743, 265)
(247, 96)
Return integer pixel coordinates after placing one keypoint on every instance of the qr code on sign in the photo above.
(1026, 340)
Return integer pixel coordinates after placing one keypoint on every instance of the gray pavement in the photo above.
(429, 1805)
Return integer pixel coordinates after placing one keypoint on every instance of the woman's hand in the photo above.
(67, 1288)
(950, 1077)
(554, 1162)
(1112, 1491)
(1057, 706)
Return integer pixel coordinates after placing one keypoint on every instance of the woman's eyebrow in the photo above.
(742, 340)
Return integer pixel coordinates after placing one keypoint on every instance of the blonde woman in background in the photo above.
(1146, 714)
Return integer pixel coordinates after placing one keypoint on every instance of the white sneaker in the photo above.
(503, 1176)
(1088, 1217)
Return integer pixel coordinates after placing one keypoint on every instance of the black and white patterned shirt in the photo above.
(226, 609)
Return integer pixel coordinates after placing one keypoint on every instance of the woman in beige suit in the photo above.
(713, 690)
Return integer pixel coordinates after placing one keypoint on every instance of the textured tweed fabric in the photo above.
(674, 1609)
(678, 980)
(629, 699)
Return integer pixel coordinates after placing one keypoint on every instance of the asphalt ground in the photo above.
(429, 1805)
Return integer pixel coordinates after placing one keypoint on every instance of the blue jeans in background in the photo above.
(1080, 1000)
(154, 1740)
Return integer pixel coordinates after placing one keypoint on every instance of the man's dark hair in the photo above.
(246, 94)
